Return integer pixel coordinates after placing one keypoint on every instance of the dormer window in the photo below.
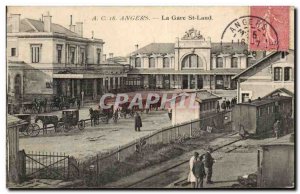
(151, 62)
(283, 55)
(219, 62)
(234, 62)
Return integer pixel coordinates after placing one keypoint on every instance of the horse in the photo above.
(46, 120)
(94, 116)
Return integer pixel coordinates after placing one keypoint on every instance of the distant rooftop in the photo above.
(168, 48)
(263, 101)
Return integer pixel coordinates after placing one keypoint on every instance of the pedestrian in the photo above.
(191, 176)
(137, 122)
(199, 171)
(78, 102)
(276, 128)
(227, 104)
(209, 161)
(218, 106)
(223, 105)
(232, 102)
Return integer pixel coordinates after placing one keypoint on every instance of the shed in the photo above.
(277, 168)
(12, 146)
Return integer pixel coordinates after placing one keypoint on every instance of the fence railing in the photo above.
(48, 165)
(178, 133)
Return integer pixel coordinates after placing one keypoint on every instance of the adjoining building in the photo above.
(192, 62)
(46, 59)
(271, 74)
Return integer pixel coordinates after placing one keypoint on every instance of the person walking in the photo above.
(137, 122)
(223, 105)
(191, 176)
(199, 171)
(209, 161)
(276, 128)
(218, 106)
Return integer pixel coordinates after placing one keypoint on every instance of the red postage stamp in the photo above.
(270, 31)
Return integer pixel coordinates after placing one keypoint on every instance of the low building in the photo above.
(277, 168)
(258, 116)
(192, 62)
(192, 105)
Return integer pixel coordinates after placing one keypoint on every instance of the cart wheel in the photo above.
(103, 119)
(96, 121)
(33, 130)
(81, 125)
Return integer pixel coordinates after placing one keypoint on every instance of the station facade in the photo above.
(192, 62)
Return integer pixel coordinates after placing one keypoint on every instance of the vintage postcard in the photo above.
(150, 97)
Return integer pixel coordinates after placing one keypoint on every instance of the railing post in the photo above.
(258, 159)
(97, 170)
(68, 176)
(191, 129)
(118, 154)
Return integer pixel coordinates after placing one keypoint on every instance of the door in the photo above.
(18, 86)
(185, 83)
(166, 81)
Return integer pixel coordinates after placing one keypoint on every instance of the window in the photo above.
(219, 62)
(234, 62)
(72, 55)
(151, 62)
(35, 53)
(13, 52)
(249, 61)
(259, 112)
(166, 62)
(138, 62)
(59, 51)
(245, 97)
(287, 73)
(98, 56)
(277, 74)
(191, 61)
(268, 110)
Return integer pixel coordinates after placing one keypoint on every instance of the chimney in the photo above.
(111, 55)
(136, 47)
(79, 28)
(104, 57)
(15, 22)
(71, 26)
(47, 22)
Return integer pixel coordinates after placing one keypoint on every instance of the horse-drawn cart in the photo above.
(70, 119)
(31, 129)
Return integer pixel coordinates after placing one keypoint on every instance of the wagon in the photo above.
(31, 129)
(70, 119)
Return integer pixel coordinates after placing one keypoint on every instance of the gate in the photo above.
(49, 166)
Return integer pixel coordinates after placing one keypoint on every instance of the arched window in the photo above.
(277, 74)
(287, 74)
(219, 62)
(166, 62)
(151, 62)
(234, 62)
(191, 61)
(138, 62)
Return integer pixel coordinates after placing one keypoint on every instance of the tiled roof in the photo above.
(205, 95)
(263, 101)
(186, 71)
(12, 120)
(31, 25)
(216, 48)
(156, 48)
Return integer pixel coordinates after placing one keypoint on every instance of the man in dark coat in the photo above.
(209, 161)
(137, 122)
(223, 105)
(199, 171)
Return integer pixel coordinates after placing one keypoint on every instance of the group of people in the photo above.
(226, 104)
(201, 167)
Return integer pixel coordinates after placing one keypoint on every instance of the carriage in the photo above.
(31, 129)
(70, 119)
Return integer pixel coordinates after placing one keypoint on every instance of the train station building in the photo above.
(191, 62)
(46, 59)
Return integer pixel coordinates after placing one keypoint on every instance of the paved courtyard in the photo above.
(92, 140)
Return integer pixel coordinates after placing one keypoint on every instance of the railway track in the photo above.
(179, 164)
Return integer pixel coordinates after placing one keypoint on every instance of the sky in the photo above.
(121, 36)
